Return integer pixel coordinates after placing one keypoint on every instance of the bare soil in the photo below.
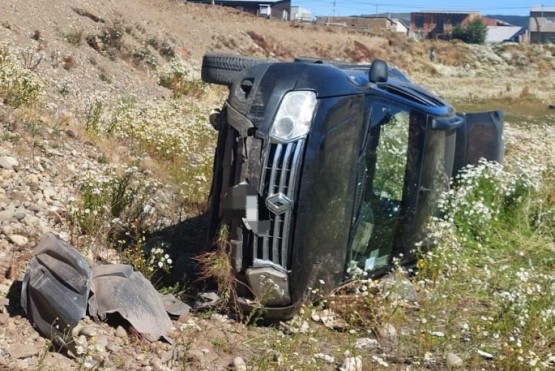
(104, 48)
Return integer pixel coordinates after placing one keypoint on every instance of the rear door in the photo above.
(481, 136)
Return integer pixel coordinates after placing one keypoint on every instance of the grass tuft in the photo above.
(216, 265)
(18, 86)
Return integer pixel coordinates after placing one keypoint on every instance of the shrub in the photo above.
(30, 58)
(151, 265)
(360, 52)
(488, 284)
(110, 40)
(165, 49)
(269, 45)
(74, 37)
(36, 35)
(175, 76)
(18, 86)
(94, 107)
(172, 132)
(474, 32)
(113, 202)
(216, 265)
(68, 62)
(117, 207)
(144, 55)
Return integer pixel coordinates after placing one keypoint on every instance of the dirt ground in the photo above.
(104, 48)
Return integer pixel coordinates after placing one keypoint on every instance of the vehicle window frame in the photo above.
(411, 173)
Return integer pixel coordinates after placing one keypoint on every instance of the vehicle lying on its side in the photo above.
(321, 166)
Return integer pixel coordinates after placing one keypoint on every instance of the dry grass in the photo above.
(69, 62)
(359, 311)
(270, 46)
(358, 52)
(363, 313)
(216, 265)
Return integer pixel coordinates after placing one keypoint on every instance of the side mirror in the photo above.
(378, 71)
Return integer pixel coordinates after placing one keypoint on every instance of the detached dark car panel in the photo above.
(323, 167)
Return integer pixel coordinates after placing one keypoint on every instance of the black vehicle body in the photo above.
(304, 209)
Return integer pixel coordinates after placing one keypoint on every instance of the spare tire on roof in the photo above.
(223, 69)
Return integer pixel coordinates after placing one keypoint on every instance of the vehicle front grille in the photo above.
(278, 184)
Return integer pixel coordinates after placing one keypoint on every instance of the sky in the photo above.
(359, 7)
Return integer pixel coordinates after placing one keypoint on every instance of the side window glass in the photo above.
(381, 185)
(391, 156)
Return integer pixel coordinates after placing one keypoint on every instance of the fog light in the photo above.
(269, 284)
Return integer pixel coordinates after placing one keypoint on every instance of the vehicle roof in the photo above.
(397, 87)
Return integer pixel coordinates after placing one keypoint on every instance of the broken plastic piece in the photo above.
(207, 300)
(55, 287)
(117, 288)
(59, 284)
(174, 306)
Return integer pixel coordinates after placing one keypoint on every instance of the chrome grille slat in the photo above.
(295, 164)
(266, 248)
(281, 167)
(275, 167)
(285, 168)
(284, 171)
(276, 239)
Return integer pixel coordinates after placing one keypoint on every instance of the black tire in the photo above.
(223, 69)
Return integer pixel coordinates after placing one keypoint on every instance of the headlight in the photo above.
(294, 116)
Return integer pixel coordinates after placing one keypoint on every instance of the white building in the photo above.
(299, 14)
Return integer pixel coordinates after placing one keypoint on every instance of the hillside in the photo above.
(105, 142)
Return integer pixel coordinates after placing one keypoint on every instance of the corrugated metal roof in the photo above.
(238, 1)
(439, 11)
(251, 1)
(498, 34)
(547, 9)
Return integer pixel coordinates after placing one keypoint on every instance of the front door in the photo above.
(387, 181)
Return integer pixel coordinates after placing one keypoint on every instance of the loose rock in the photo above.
(238, 364)
(351, 364)
(454, 360)
(8, 162)
(19, 351)
(388, 332)
(87, 331)
(20, 213)
(6, 214)
(366, 343)
(121, 333)
(18, 240)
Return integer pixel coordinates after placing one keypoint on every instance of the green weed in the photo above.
(18, 85)
(74, 37)
(488, 284)
(175, 76)
(171, 132)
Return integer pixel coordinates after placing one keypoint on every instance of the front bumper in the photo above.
(259, 190)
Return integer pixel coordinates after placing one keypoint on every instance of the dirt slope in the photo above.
(130, 36)
(109, 49)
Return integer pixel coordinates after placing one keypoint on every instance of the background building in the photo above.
(279, 9)
(438, 25)
(542, 24)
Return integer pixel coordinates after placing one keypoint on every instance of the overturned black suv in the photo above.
(323, 167)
